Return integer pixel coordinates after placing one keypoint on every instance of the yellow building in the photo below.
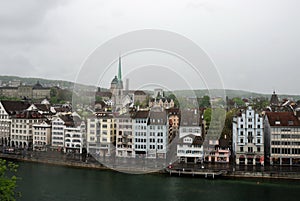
(101, 134)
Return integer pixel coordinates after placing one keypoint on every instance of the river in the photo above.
(41, 182)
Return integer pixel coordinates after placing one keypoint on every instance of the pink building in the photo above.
(221, 153)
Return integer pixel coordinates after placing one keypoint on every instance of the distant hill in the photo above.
(32, 81)
(234, 93)
(199, 93)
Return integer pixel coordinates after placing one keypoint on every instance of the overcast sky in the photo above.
(254, 44)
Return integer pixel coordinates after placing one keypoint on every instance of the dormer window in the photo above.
(277, 122)
(290, 123)
(187, 140)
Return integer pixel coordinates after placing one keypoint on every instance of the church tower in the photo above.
(116, 89)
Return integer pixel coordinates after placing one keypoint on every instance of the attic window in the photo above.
(187, 140)
(290, 123)
(277, 122)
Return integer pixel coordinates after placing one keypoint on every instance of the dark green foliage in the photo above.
(174, 98)
(227, 130)
(60, 95)
(8, 180)
(204, 102)
(238, 102)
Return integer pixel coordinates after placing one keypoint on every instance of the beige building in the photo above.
(174, 120)
(7, 109)
(101, 134)
(41, 136)
(36, 91)
(124, 136)
(22, 128)
(162, 102)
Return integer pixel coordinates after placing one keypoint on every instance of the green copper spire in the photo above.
(120, 70)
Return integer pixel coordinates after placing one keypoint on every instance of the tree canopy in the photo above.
(8, 180)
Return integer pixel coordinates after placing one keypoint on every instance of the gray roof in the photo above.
(190, 118)
(157, 117)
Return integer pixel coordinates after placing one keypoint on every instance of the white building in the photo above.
(75, 137)
(141, 137)
(41, 136)
(68, 133)
(58, 127)
(190, 143)
(157, 131)
(247, 137)
(101, 134)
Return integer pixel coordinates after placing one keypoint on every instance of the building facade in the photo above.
(36, 91)
(157, 131)
(282, 138)
(101, 134)
(22, 128)
(57, 133)
(41, 136)
(190, 144)
(124, 136)
(7, 109)
(141, 139)
(247, 138)
(221, 154)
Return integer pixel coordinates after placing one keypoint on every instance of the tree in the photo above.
(227, 130)
(7, 180)
(239, 102)
(174, 98)
(207, 117)
(204, 102)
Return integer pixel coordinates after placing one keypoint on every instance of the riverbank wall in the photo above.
(225, 174)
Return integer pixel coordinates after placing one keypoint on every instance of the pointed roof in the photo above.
(274, 99)
(115, 80)
(120, 70)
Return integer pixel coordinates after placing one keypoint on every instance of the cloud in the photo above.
(17, 63)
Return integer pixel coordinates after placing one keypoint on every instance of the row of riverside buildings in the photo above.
(41, 127)
(134, 134)
(271, 137)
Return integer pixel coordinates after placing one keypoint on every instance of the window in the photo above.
(250, 149)
(258, 140)
(241, 149)
(258, 149)
(242, 140)
(242, 133)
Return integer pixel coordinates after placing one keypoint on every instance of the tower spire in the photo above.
(120, 70)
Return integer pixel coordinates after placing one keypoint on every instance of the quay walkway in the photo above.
(202, 173)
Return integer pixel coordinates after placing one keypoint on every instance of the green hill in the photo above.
(199, 93)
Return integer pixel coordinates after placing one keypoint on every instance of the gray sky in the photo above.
(254, 44)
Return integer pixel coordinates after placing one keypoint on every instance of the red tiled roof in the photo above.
(12, 107)
(282, 119)
(141, 114)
